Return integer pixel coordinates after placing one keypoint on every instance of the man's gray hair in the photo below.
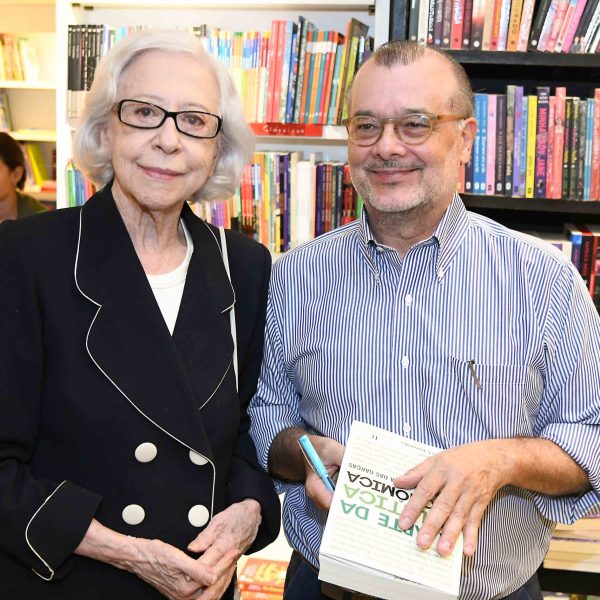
(235, 141)
(406, 52)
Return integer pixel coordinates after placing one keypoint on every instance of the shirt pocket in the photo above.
(467, 401)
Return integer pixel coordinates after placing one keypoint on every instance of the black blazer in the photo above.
(89, 372)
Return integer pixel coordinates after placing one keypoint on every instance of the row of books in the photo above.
(507, 25)
(576, 547)
(262, 579)
(535, 146)
(580, 243)
(79, 187)
(292, 73)
(18, 59)
(284, 201)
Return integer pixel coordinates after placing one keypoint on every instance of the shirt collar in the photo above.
(448, 235)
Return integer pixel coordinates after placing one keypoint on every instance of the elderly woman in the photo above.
(126, 469)
(13, 203)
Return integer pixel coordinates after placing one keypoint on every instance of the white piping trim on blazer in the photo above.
(29, 543)
(212, 501)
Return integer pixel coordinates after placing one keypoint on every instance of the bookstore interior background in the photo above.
(535, 68)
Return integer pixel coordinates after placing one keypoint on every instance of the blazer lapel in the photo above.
(128, 339)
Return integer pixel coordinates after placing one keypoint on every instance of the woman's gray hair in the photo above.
(235, 141)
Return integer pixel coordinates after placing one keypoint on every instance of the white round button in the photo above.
(406, 428)
(198, 515)
(133, 514)
(380, 249)
(408, 299)
(441, 273)
(405, 361)
(146, 452)
(197, 459)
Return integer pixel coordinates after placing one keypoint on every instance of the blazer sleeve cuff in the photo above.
(58, 526)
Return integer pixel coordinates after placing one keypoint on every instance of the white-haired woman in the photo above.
(126, 469)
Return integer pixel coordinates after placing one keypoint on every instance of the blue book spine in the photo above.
(289, 107)
(523, 169)
(517, 190)
(589, 138)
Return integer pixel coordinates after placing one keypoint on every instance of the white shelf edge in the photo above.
(247, 4)
(34, 135)
(26, 85)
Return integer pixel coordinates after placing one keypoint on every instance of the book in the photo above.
(5, 120)
(530, 160)
(541, 141)
(539, 19)
(363, 547)
(262, 575)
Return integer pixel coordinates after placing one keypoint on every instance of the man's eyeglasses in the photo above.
(412, 129)
(145, 115)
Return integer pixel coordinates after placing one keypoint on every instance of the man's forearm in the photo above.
(542, 466)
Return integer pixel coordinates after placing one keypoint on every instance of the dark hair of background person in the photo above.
(11, 155)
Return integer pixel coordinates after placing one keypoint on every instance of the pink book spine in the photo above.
(579, 8)
(559, 141)
(565, 26)
(557, 21)
(490, 167)
(550, 159)
(525, 27)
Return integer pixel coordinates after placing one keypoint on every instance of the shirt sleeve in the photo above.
(275, 406)
(569, 413)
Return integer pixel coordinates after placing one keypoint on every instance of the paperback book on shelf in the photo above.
(363, 547)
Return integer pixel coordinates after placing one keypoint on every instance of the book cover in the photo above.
(565, 25)
(456, 32)
(573, 233)
(271, 71)
(335, 83)
(539, 17)
(516, 188)
(595, 168)
(550, 159)
(510, 138)
(305, 26)
(584, 23)
(589, 133)
(581, 147)
(293, 76)
(570, 34)
(363, 547)
(477, 22)
(545, 33)
(525, 25)
(530, 161)
(423, 22)
(574, 148)
(513, 25)
(447, 11)
(559, 16)
(5, 119)
(480, 144)
(490, 165)
(524, 132)
(262, 574)
(492, 7)
(438, 23)
(541, 140)
(413, 19)
(504, 22)
(500, 172)
(309, 61)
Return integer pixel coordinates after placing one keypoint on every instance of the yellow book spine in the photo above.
(531, 129)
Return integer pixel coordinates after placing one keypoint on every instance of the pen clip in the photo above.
(471, 364)
(306, 456)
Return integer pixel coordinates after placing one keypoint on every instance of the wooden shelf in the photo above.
(564, 207)
(542, 59)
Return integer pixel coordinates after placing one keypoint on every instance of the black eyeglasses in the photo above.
(145, 115)
(412, 129)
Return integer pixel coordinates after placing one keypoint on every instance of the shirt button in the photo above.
(405, 361)
(408, 299)
(198, 515)
(406, 428)
(441, 273)
(380, 249)
(133, 514)
(197, 459)
(146, 452)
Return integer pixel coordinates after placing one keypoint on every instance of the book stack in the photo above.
(292, 73)
(262, 579)
(18, 59)
(284, 200)
(576, 547)
(535, 146)
(507, 25)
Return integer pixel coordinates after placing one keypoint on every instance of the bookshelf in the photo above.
(490, 72)
(237, 15)
(32, 103)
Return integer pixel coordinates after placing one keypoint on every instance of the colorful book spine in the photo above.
(490, 168)
(541, 141)
(531, 129)
(516, 189)
(500, 167)
(510, 138)
(559, 141)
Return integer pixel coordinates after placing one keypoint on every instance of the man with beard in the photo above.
(440, 325)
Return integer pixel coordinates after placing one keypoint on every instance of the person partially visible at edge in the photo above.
(14, 204)
(438, 324)
(126, 467)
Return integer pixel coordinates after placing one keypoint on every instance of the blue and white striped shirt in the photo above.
(354, 331)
